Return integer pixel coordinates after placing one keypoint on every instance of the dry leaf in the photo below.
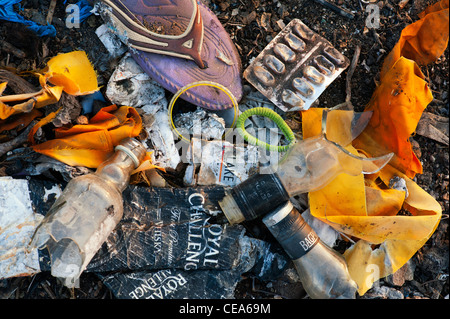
(433, 126)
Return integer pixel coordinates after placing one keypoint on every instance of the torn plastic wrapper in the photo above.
(172, 234)
(90, 145)
(176, 249)
(424, 40)
(366, 208)
(403, 94)
(25, 103)
(17, 225)
(7, 13)
(72, 71)
(219, 163)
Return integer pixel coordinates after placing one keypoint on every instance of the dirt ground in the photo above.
(426, 275)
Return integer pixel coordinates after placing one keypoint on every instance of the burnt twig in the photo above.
(17, 141)
(17, 84)
(51, 11)
(351, 70)
(9, 48)
(348, 89)
(343, 12)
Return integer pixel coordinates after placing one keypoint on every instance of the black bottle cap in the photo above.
(258, 195)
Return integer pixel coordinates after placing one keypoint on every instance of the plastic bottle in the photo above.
(308, 165)
(87, 211)
(322, 270)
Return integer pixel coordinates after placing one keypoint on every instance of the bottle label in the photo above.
(294, 234)
(259, 195)
(301, 242)
(164, 228)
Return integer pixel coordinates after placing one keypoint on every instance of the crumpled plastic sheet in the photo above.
(17, 224)
(219, 163)
(91, 144)
(366, 207)
(70, 72)
(424, 40)
(7, 13)
(171, 244)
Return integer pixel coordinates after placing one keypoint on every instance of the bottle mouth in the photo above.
(286, 221)
(278, 215)
(231, 209)
(133, 149)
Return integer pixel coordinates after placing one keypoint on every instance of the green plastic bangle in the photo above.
(266, 112)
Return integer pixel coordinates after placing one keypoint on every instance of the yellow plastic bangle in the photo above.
(203, 83)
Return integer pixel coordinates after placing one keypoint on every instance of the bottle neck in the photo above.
(256, 196)
(117, 169)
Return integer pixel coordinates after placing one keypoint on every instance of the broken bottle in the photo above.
(87, 211)
(322, 270)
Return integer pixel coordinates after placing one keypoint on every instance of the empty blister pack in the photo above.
(295, 67)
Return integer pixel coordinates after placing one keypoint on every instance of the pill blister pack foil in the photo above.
(296, 67)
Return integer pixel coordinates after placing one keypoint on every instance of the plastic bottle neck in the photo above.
(117, 169)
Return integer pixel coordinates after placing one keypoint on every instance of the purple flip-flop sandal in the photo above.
(178, 42)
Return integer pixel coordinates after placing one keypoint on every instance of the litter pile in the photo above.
(211, 150)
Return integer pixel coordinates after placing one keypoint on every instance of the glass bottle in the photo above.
(87, 211)
(307, 166)
(322, 270)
